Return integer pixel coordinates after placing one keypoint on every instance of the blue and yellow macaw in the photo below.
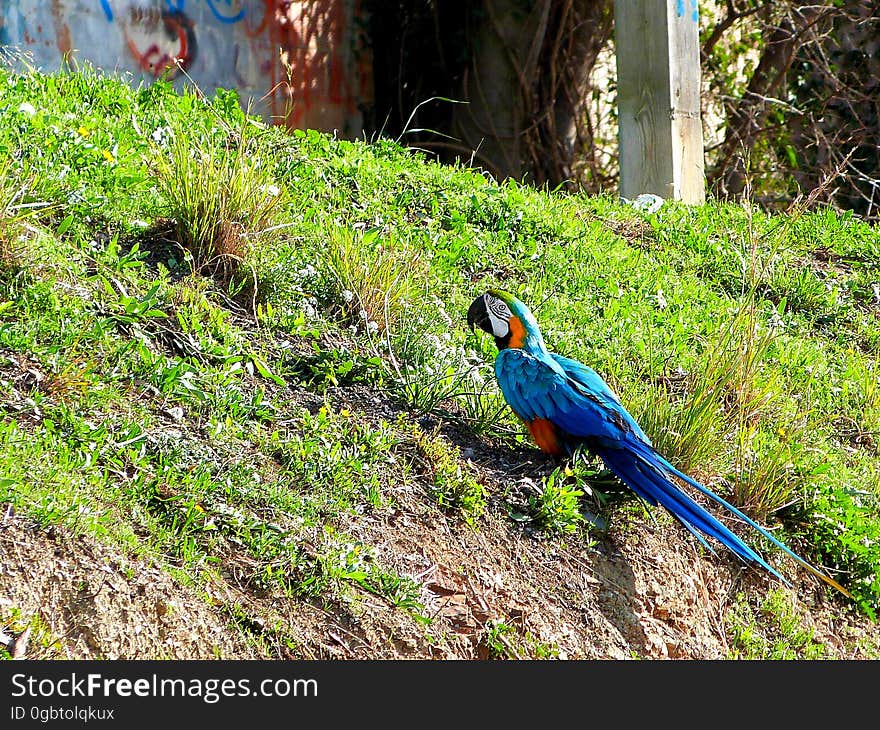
(566, 405)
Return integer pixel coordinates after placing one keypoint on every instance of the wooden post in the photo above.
(658, 98)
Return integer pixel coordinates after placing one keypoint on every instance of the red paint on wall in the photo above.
(62, 31)
(304, 60)
(312, 70)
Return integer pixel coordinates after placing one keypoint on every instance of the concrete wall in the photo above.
(302, 63)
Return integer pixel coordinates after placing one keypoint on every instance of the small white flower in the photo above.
(273, 190)
(26, 108)
(660, 299)
(161, 135)
(347, 295)
(648, 203)
(372, 327)
(441, 310)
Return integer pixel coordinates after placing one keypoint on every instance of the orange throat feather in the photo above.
(517, 332)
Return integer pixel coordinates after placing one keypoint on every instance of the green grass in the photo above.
(168, 405)
(450, 482)
(772, 631)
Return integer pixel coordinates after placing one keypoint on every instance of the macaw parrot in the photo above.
(566, 405)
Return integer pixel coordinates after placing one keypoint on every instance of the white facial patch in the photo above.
(499, 316)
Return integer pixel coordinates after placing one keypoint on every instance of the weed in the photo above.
(774, 631)
(484, 408)
(41, 642)
(325, 367)
(435, 374)
(223, 198)
(556, 507)
(497, 640)
(352, 561)
(449, 481)
(427, 374)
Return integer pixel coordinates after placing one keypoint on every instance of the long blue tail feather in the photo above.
(648, 475)
(782, 546)
(653, 483)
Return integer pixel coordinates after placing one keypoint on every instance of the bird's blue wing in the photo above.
(540, 387)
(591, 382)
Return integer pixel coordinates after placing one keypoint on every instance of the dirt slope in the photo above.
(643, 589)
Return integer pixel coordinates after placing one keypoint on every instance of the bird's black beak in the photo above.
(477, 315)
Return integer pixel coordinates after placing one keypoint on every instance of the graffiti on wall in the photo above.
(161, 42)
(301, 63)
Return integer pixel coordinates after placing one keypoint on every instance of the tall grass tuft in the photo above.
(733, 399)
(9, 195)
(765, 478)
(15, 210)
(726, 400)
(371, 275)
(685, 423)
(764, 473)
(221, 195)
